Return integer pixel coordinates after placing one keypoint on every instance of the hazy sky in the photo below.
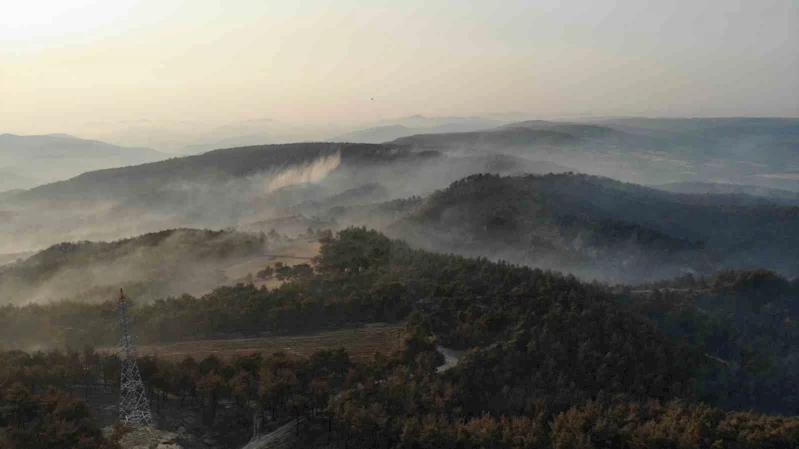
(64, 62)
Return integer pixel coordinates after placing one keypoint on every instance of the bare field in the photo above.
(360, 343)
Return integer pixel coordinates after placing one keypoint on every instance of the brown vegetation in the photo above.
(360, 343)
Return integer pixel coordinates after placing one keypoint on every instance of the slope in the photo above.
(757, 151)
(53, 157)
(214, 166)
(504, 138)
(388, 133)
(528, 328)
(154, 265)
(744, 321)
(234, 187)
(756, 193)
(597, 227)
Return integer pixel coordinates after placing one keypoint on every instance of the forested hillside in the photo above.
(213, 166)
(503, 138)
(749, 193)
(750, 151)
(234, 188)
(155, 265)
(600, 228)
(531, 327)
(395, 400)
(745, 322)
(556, 362)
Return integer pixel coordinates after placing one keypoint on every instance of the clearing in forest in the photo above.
(360, 343)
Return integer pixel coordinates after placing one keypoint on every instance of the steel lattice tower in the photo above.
(134, 408)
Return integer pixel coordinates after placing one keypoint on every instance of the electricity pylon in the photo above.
(134, 408)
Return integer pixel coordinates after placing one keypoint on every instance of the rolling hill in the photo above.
(216, 166)
(573, 223)
(575, 129)
(751, 151)
(498, 139)
(756, 193)
(527, 329)
(155, 265)
(219, 189)
(233, 187)
(598, 227)
(379, 134)
(708, 128)
(47, 158)
(11, 182)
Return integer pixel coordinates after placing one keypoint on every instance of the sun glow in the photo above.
(30, 20)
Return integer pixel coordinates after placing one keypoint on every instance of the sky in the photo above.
(71, 63)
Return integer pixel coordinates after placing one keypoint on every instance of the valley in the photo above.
(356, 294)
(399, 225)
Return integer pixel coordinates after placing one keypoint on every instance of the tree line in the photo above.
(395, 400)
(540, 342)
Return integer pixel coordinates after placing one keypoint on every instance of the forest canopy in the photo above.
(528, 327)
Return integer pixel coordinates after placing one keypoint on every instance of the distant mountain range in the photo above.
(217, 189)
(232, 187)
(26, 161)
(377, 134)
(11, 181)
(214, 167)
(594, 227)
(328, 182)
(231, 142)
(192, 136)
(504, 138)
(187, 137)
(417, 124)
(748, 151)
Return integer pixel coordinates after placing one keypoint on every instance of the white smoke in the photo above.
(311, 173)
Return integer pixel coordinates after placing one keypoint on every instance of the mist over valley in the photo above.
(430, 225)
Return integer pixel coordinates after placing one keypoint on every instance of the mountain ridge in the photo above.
(593, 225)
(41, 159)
